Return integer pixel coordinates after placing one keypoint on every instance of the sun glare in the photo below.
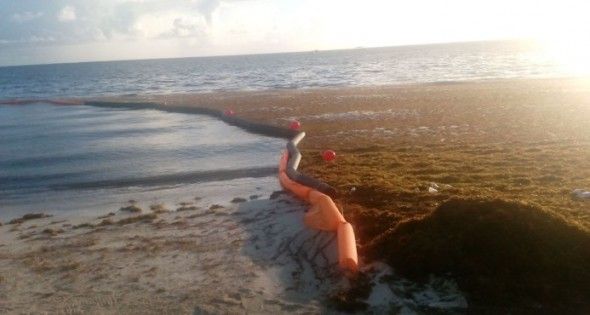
(564, 35)
(571, 53)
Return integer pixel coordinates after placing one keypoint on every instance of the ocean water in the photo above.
(87, 159)
(392, 65)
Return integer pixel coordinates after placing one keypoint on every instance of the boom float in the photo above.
(323, 214)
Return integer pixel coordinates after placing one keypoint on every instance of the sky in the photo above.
(43, 31)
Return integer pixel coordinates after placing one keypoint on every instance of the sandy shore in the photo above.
(217, 260)
(408, 151)
(253, 257)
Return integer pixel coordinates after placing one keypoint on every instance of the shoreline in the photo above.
(407, 170)
(581, 79)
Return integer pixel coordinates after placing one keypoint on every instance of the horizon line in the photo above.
(277, 53)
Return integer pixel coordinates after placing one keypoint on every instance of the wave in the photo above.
(172, 179)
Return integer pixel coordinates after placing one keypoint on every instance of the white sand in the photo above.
(252, 257)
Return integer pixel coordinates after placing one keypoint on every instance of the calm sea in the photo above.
(93, 160)
(409, 64)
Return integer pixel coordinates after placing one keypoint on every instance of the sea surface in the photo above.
(355, 67)
(92, 160)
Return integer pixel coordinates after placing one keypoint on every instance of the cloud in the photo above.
(25, 16)
(109, 20)
(178, 27)
(67, 14)
(207, 7)
(183, 27)
(168, 25)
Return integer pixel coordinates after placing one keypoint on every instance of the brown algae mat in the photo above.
(471, 180)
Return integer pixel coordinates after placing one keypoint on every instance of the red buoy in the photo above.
(229, 112)
(295, 125)
(329, 155)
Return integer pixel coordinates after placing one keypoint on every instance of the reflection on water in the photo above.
(49, 153)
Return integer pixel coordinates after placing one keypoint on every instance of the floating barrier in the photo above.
(294, 159)
(34, 101)
(323, 214)
(262, 129)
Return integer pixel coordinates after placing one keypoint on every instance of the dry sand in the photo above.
(255, 257)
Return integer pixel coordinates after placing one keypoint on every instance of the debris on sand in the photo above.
(131, 208)
(238, 200)
(52, 232)
(105, 222)
(29, 216)
(83, 225)
(353, 298)
(581, 194)
(215, 207)
(159, 208)
(110, 214)
(276, 194)
(186, 208)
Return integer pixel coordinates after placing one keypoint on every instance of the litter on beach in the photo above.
(581, 194)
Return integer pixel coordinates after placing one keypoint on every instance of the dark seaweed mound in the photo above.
(504, 255)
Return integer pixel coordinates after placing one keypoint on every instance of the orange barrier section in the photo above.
(324, 215)
(347, 255)
(299, 190)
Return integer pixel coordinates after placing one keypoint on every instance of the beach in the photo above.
(250, 257)
(405, 150)
(409, 157)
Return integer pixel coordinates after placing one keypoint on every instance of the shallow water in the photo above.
(66, 158)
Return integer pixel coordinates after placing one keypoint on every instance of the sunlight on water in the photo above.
(371, 66)
(50, 151)
(572, 56)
